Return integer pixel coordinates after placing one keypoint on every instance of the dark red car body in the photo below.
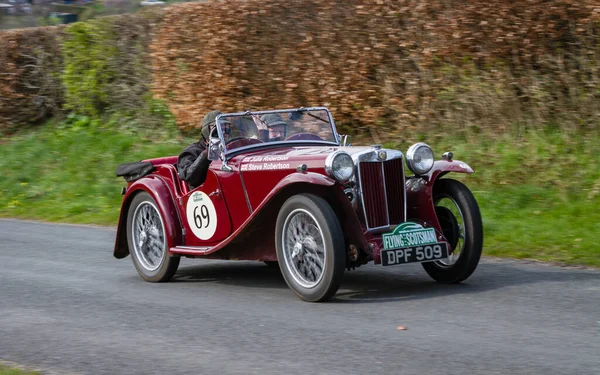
(284, 188)
(247, 202)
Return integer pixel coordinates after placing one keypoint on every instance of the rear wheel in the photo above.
(147, 240)
(460, 220)
(310, 247)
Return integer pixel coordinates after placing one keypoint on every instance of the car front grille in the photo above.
(382, 190)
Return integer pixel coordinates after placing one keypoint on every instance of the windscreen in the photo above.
(293, 126)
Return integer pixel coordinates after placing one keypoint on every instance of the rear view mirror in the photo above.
(214, 149)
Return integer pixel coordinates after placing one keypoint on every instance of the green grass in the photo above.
(67, 173)
(539, 192)
(6, 370)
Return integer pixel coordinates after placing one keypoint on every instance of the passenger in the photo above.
(193, 163)
(275, 129)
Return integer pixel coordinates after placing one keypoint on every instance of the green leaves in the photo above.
(87, 74)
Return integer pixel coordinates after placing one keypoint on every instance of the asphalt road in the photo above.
(68, 307)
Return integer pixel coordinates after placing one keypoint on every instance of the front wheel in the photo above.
(147, 240)
(460, 220)
(310, 247)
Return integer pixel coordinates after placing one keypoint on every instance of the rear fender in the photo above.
(419, 191)
(159, 191)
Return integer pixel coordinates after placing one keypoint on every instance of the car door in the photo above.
(204, 214)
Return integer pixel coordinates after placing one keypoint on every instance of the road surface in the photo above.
(68, 307)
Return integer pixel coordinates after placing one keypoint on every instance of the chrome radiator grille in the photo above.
(382, 190)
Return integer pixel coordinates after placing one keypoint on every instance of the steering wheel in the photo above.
(241, 142)
(234, 139)
(304, 136)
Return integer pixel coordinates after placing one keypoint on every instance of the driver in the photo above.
(275, 129)
(192, 164)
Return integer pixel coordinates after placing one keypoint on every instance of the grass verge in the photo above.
(539, 192)
(6, 370)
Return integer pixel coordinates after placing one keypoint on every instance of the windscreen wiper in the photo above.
(317, 117)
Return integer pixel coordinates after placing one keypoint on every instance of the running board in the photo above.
(190, 250)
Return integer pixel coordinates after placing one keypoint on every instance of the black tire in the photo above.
(306, 228)
(467, 244)
(146, 227)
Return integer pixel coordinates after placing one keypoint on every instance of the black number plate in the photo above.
(423, 253)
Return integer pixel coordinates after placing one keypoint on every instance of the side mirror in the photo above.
(214, 149)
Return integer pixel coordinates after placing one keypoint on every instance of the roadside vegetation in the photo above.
(539, 191)
(511, 87)
(6, 370)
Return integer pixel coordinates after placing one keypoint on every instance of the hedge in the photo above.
(381, 66)
(30, 87)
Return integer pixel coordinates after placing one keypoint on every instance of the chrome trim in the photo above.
(190, 249)
(372, 156)
(387, 206)
(404, 189)
(245, 191)
(448, 155)
(329, 165)
(335, 133)
(344, 139)
(359, 193)
(410, 154)
(385, 228)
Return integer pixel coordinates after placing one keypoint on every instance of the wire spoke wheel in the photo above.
(452, 222)
(304, 249)
(310, 247)
(147, 239)
(148, 236)
(460, 220)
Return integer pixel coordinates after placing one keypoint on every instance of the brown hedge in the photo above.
(415, 63)
(30, 64)
(379, 65)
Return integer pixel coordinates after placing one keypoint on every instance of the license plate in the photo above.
(424, 253)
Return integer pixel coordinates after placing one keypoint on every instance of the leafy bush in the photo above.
(87, 76)
(106, 64)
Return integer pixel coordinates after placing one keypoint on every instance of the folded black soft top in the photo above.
(135, 170)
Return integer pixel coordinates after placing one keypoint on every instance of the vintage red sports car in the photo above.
(305, 200)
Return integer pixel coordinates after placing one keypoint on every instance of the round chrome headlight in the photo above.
(340, 166)
(419, 158)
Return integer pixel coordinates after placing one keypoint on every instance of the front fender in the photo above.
(322, 185)
(263, 219)
(442, 167)
(160, 192)
(307, 177)
(419, 191)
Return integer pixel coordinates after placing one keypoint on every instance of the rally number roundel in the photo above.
(201, 215)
